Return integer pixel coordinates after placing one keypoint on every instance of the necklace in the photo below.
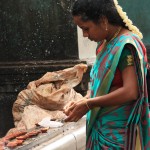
(115, 35)
(105, 43)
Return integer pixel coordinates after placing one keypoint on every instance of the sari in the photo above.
(119, 127)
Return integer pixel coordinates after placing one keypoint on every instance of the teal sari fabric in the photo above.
(126, 126)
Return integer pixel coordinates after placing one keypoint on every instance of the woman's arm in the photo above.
(128, 92)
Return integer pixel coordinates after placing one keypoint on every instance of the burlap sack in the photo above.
(29, 121)
(51, 92)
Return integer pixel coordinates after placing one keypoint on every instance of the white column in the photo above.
(86, 47)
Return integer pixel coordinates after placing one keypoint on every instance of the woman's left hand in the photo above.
(76, 111)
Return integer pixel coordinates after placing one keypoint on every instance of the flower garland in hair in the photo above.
(127, 21)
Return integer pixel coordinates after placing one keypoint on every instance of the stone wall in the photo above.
(36, 37)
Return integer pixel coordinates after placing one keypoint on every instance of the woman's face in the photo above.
(93, 31)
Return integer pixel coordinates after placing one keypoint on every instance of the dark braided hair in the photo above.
(94, 10)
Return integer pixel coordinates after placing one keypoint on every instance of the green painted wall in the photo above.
(139, 12)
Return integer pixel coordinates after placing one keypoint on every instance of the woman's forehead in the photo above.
(78, 20)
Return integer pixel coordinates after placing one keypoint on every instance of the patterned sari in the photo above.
(126, 126)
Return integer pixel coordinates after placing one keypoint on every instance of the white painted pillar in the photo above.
(86, 47)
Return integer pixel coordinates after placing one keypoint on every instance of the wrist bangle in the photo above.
(87, 105)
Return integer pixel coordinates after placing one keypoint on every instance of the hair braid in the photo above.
(126, 20)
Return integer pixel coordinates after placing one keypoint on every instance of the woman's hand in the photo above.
(76, 110)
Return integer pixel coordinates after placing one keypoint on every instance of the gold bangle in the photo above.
(87, 105)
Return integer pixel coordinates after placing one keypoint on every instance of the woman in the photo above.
(117, 109)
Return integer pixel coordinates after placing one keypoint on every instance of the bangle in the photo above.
(87, 105)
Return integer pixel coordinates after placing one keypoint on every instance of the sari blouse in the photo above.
(126, 59)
